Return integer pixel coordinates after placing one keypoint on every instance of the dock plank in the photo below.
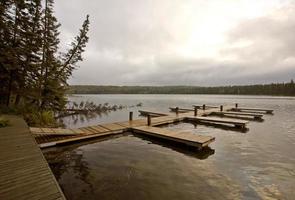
(99, 129)
(24, 171)
(52, 131)
(133, 123)
(112, 126)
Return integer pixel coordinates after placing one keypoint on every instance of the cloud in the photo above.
(136, 42)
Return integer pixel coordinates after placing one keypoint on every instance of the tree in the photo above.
(31, 67)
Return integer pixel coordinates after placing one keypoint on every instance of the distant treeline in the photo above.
(280, 89)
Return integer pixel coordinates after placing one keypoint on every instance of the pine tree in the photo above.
(50, 64)
(30, 65)
(5, 37)
(14, 21)
(74, 55)
(32, 39)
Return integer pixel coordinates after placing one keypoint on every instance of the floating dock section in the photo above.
(186, 138)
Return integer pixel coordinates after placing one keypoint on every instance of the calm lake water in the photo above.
(258, 164)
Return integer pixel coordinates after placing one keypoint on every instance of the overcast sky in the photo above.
(182, 42)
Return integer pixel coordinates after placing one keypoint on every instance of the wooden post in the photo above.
(236, 105)
(130, 116)
(204, 106)
(149, 120)
(196, 111)
(221, 108)
(177, 110)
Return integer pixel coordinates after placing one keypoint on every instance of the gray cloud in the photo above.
(134, 42)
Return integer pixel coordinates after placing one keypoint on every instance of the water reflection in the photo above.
(126, 167)
(184, 149)
(82, 118)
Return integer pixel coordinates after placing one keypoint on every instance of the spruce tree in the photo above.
(31, 68)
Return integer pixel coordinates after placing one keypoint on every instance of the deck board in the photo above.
(24, 172)
(53, 131)
(133, 123)
(112, 126)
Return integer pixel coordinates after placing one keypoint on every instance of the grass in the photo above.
(3, 122)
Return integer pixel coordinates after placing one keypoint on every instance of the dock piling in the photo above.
(177, 110)
(196, 111)
(148, 120)
(130, 116)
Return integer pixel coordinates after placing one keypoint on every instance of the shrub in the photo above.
(40, 118)
(3, 122)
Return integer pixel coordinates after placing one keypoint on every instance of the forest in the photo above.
(33, 71)
(279, 89)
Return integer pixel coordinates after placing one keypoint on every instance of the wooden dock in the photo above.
(187, 138)
(24, 172)
(60, 137)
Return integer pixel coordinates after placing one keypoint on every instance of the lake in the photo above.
(257, 164)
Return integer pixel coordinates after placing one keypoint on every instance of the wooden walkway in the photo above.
(24, 172)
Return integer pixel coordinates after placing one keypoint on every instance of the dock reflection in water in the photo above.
(131, 166)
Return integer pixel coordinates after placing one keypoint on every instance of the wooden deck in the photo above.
(24, 172)
(186, 138)
(55, 131)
